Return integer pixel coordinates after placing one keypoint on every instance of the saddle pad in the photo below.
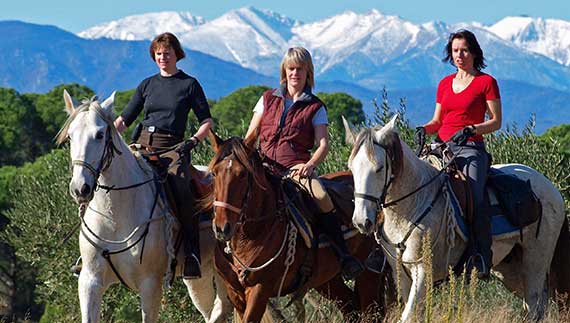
(501, 228)
(304, 229)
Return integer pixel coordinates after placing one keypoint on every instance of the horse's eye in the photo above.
(379, 169)
(99, 135)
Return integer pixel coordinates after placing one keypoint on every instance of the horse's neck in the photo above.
(128, 207)
(415, 172)
(254, 233)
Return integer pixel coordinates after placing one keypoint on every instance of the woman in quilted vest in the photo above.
(289, 121)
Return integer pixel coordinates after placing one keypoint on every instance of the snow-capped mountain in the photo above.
(250, 37)
(370, 49)
(549, 37)
(145, 26)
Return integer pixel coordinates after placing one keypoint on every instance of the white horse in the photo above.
(385, 169)
(127, 231)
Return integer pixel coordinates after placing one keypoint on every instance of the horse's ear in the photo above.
(250, 140)
(69, 102)
(109, 103)
(392, 123)
(215, 140)
(350, 134)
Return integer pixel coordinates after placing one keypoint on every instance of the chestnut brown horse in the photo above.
(263, 257)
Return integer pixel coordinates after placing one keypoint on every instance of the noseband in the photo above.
(380, 201)
(245, 202)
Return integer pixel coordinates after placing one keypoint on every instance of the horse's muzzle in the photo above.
(365, 228)
(81, 194)
(223, 234)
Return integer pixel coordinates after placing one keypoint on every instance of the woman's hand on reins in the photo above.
(303, 169)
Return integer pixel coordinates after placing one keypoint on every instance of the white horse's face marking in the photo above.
(88, 134)
(370, 179)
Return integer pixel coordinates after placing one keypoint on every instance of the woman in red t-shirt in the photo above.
(463, 98)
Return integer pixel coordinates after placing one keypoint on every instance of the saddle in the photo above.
(304, 212)
(506, 196)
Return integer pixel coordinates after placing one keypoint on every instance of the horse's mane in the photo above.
(250, 160)
(389, 140)
(86, 104)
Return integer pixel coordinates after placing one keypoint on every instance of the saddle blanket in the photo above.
(501, 228)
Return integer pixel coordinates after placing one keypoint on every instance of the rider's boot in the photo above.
(191, 248)
(350, 266)
(482, 258)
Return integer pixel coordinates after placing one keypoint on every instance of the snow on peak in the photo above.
(548, 37)
(145, 26)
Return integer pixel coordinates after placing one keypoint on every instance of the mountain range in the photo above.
(369, 49)
(354, 53)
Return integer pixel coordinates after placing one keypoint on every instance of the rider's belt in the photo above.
(153, 129)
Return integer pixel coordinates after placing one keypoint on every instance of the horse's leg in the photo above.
(202, 292)
(256, 303)
(222, 304)
(416, 294)
(535, 266)
(150, 291)
(91, 289)
(337, 291)
(367, 287)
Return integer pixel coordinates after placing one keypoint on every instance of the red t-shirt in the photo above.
(467, 107)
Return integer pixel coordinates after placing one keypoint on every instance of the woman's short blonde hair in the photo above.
(299, 56)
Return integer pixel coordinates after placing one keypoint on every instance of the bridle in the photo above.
(388, 179)
(241, 211)
(108, 152)
(105, 160)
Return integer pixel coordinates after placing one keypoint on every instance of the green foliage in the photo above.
(42, 212)
(17, 127)
(234, 111)
(341, 104)
(558, 134)
(50, 108)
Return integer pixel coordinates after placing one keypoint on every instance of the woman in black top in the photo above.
(166, 99)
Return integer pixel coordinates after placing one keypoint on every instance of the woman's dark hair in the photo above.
(166, 40)
(472, 44)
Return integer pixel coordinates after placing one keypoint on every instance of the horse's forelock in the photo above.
(390, 140)
(250, 161)
(86, 104)
(365, 138)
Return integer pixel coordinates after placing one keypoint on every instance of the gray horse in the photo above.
(385, 169)
(118, 222)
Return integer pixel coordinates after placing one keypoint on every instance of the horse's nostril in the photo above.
(227, 230)
(85, 190)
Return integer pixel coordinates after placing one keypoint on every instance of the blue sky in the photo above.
(76, 15)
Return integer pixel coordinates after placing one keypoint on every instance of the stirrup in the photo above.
(193, 272)
(483, 272)
(372, 262)
(350, 273)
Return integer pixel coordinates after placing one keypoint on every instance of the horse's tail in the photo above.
(559, 278)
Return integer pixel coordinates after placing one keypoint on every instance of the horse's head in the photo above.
(375, 161)
(237, 171)
(89, 129)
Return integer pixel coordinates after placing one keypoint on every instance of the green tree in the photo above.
(341, 104)
(50, 108)
(234, 111)
(559, 134)
(17, 126)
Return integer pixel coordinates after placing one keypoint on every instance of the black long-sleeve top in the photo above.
(167, 102)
